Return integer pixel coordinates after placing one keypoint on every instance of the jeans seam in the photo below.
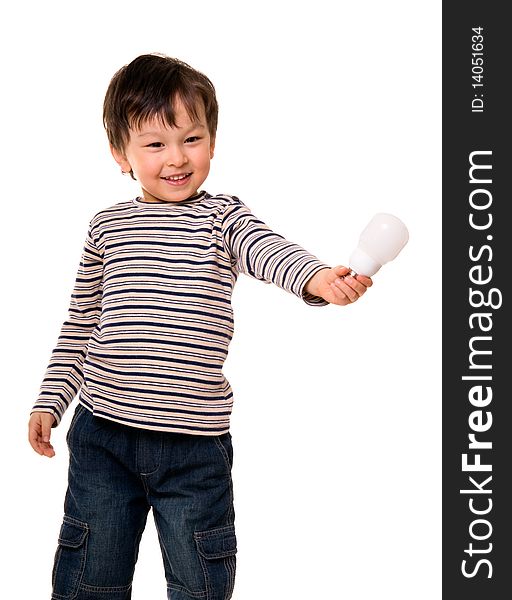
(94, 588)
(223, 451)
(170, 585)
(180, 588)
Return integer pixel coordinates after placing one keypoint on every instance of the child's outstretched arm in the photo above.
(266, 255)
(337, 287)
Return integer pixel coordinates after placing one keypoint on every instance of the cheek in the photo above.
(204, 160)
(148, 165)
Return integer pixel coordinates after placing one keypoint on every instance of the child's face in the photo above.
(156, 153)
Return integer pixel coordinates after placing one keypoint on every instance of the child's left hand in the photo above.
(337, 287)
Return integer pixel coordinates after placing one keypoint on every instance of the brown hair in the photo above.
(148, 87)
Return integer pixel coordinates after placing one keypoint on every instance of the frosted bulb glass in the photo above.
(381, 241)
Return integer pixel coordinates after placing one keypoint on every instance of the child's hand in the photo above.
(337, 287)
(39, 428)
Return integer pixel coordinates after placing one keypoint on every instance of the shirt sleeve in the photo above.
(261, 253)
(64, 377)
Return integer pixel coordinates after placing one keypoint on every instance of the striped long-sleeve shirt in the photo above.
(150, 318)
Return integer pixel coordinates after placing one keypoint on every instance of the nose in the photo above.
(175, 156)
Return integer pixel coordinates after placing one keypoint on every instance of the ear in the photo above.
(120, 159)
(212, 148)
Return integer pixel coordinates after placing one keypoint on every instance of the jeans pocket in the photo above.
(223, 443)
(70, 558)
(78, 411)
(217, 555)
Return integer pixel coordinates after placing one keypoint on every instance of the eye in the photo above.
(192, 139)
(154, 145)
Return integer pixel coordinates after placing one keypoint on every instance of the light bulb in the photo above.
(380, 241)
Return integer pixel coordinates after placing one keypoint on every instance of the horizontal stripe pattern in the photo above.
(150, 317)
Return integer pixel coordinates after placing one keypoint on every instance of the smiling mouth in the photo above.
(177, 177)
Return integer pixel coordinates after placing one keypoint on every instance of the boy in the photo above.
(149, 325)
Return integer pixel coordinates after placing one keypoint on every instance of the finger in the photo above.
(46, 445)
(366, 281)
(47, 449)
(38, 429)
(339, 295)
(341, 270)
(46, 430)
(357, 286)
(33, 438)
(351, 294)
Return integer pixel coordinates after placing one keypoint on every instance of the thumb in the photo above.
(341, 270)
(46, 429)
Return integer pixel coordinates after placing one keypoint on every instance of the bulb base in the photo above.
(362, 263)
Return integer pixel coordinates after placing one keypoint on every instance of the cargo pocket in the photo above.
(217, 554)
(70, 558)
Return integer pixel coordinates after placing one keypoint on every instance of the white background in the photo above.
(329, 113)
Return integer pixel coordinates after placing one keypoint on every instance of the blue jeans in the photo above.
(116, 474)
